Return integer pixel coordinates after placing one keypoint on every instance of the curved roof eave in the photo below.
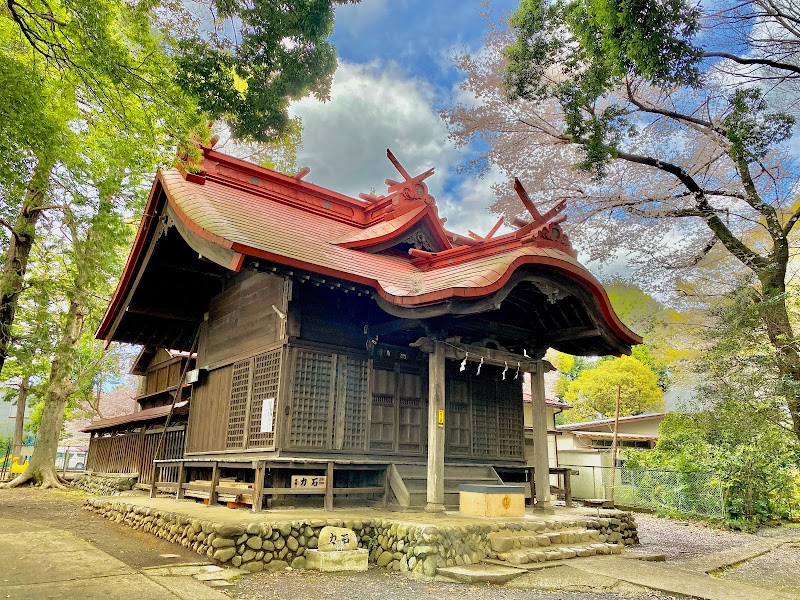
(564, 267)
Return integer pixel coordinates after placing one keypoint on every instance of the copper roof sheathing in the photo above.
(248, 211)
(149, 414)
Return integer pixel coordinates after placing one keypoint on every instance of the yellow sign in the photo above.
(440, 418)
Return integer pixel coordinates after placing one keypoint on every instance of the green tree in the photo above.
(593, 394)
(663, 146)
(116, 84)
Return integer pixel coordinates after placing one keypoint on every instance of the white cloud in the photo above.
(374, 107)
(362, 18)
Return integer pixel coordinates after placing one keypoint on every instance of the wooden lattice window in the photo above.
(311, 398)
(458, 433)
(266, 376)
(484, 417)
(411, 420)
(509, 417)
(350, 414)
(237, 415)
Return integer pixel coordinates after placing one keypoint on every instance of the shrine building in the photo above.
(356, 343)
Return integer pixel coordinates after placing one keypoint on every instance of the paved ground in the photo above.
(778, 569)
(50, 548)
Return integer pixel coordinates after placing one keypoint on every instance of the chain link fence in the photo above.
(697, 493)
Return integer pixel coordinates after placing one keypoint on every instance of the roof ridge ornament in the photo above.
(406, 194)
(544, 229)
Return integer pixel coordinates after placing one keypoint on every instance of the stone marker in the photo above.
(338, 551)
(337, 538)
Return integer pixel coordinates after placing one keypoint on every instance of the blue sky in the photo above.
(395, 72)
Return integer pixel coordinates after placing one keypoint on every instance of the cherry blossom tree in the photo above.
(669, 135)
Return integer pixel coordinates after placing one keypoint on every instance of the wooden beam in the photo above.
(575, 333)
(395, 325)
(498, 358)
(436, 408)
(188, 269)
(152, 311)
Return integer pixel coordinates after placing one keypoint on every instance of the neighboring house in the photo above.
(352, 339)
(588, 447)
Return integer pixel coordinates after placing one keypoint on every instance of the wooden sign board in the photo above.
(311, 482)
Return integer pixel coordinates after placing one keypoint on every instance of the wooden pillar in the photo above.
(436, 396)
(212, 495)
(541, 462)
(258, 487)
(329, 487)
(181, 476)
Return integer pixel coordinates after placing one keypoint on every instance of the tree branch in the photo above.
(764, 62)
(734, 245)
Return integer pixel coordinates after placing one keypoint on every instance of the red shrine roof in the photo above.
(395, 244)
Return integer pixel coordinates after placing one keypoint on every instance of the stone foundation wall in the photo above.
(393, 544)
(104, 485)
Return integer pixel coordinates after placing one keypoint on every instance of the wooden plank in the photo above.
(376, 489)
(329, 487)
(167, 485)
(436, 407)
(258, 487)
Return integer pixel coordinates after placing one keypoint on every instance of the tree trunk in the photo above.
(42, 467)
(19, 424)
(19, 249)
(781, 336)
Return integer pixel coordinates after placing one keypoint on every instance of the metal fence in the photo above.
(696, 493)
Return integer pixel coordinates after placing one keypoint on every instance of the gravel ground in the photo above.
(777, 570)
(310, 585)
(681, 540)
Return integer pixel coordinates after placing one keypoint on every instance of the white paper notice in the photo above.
(267, 413)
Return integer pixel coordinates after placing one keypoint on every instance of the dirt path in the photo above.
(62, 510)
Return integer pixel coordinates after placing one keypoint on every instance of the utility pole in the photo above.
(614, 445)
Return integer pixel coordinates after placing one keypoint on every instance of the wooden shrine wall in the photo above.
(241, 320)
(208, 411)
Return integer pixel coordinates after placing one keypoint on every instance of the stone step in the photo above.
(483, 573)
(505, 541)
(541, 554)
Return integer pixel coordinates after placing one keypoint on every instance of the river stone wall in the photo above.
(393, 544)
(104, 485)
